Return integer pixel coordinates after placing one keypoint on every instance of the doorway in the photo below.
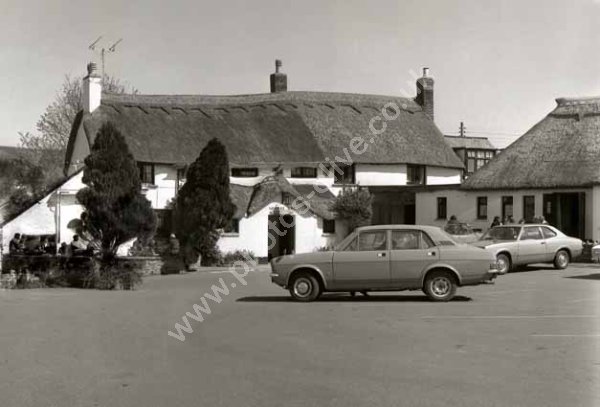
(566, 211)
(281, 235)
(393, 206)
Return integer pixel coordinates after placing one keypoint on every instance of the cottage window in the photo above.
(345, 174)
(304, 172)
(442, 208)
(528, 208)
(146, 173)
(287, 198)
(328, 226)
(477, 159)
(244, 172)
(415, 175)
(507, 206)
(482, 207)
(233, 227)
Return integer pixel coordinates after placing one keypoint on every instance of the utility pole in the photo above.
(462, 129)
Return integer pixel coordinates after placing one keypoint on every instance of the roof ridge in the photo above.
(471, 137)
(571, 101)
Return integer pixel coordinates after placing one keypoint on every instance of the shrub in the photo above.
(354, 206)
(228, 259)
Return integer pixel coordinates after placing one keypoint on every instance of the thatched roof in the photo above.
(251, 199)
(284, 127)
(562, 150)
(478, 143)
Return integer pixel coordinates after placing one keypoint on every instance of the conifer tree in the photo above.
(115, 208)
(204, 205)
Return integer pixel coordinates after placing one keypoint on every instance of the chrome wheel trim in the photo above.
(302, 287)
(562, 258)
(502, 262)
(440, 286)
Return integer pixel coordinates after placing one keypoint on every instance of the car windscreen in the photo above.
(341, 245)
(459, 229)
(509, 233)
(441, 238)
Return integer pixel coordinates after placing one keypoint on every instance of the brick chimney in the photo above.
(425, 93)
(92, 89)
(278, 79)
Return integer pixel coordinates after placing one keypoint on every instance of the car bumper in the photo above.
(278, 279)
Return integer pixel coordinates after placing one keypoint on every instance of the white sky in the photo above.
(498, 65)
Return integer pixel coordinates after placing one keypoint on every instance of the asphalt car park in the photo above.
(530, 339)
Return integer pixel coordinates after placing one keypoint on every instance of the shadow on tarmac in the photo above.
(595, 276)
(347, 298)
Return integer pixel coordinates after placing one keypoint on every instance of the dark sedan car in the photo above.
(386, 258)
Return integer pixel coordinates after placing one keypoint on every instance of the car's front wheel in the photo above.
(440, 286)
(305, 287)
(562, 259)
(503, 262)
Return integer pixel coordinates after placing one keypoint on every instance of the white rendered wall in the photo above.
(443, 176)
(254, 233)
(380, 175)
(463, 204)
(163, 189)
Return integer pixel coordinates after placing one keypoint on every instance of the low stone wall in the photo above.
(151, 265)
(156, 265)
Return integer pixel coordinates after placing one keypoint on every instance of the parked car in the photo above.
(519, 245)
(596, 253)
(462, 232)
(386, 258)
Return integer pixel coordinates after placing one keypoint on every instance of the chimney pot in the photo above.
(91, 68)
(278, 79)
(91, 95)
(425, 93)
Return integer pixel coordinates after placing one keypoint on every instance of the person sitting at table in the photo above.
(14, 247)
(77, 246)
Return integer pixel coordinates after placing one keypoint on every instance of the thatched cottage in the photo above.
(280, 145)
(553, 170)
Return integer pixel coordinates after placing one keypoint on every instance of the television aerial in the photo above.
(103, 51)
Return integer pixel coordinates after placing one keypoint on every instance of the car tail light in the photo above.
(494, 266)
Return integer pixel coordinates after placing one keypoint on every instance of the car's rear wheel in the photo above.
(503, 262)
(440, 286)
(562, 259)
(305, 287)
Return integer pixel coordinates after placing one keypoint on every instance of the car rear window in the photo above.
(548, 233)
(502, 233)
(440, 238)
(532, 233)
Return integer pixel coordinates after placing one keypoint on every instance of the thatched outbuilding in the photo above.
(553, 170)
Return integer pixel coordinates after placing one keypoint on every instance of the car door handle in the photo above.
(431, 253)
(543, 243)
(380, 254)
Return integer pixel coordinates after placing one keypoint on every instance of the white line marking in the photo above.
(584, 299)
(509, 291)
(507, 316)
(229, 272)
(568, 335)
